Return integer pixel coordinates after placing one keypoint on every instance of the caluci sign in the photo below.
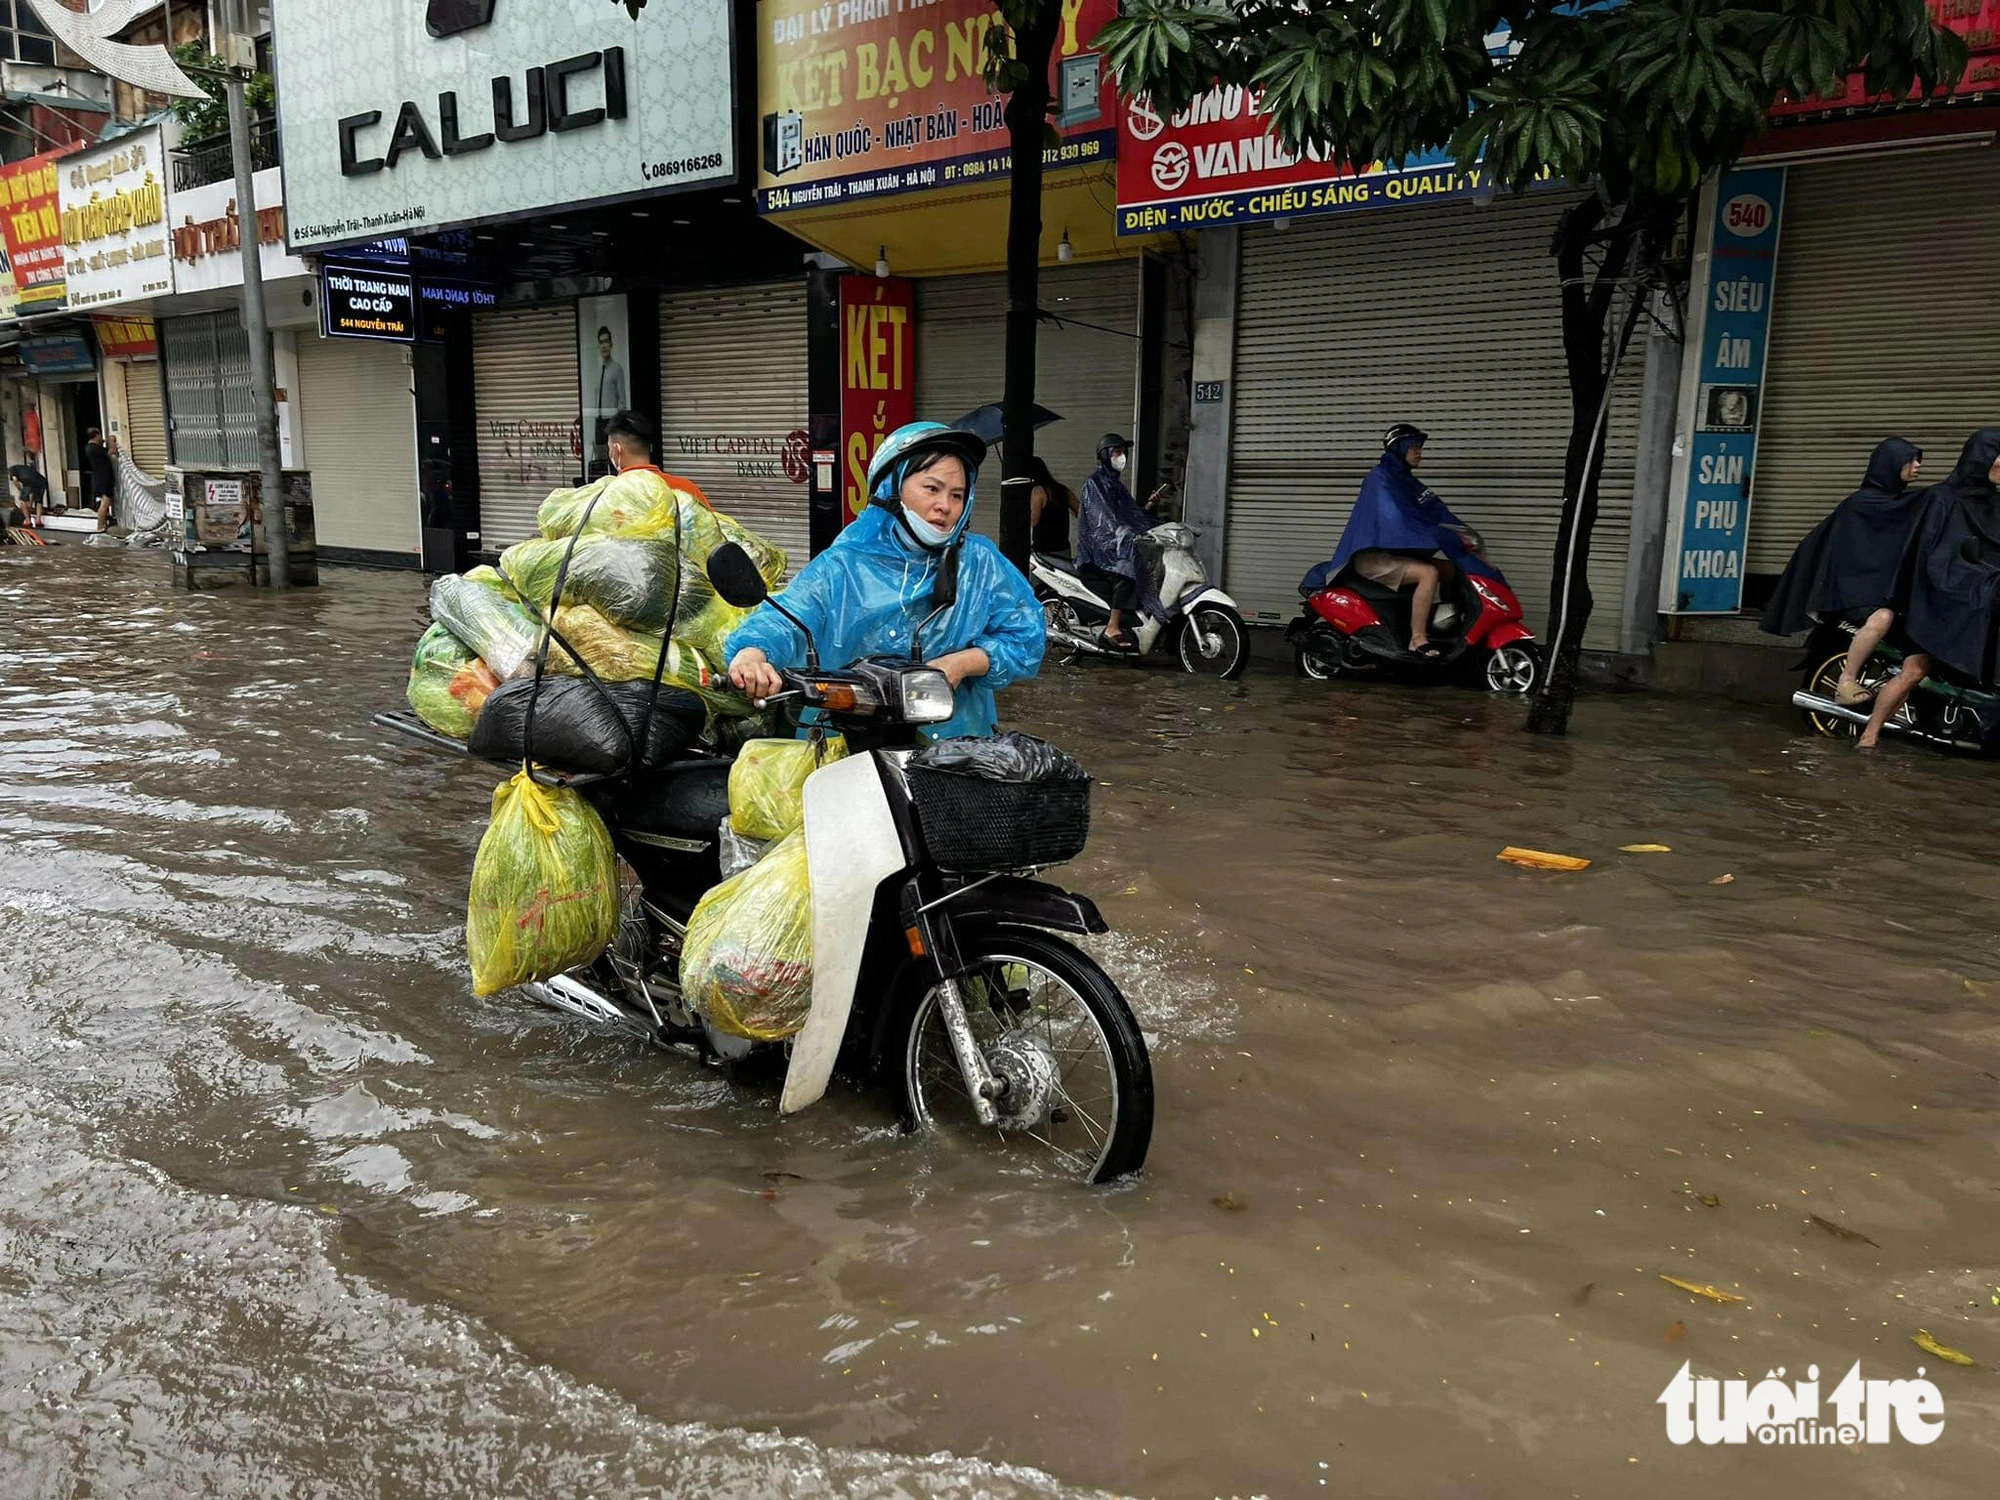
(415, 116)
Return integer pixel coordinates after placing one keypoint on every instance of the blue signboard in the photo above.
(57, 354)
(1714, 535)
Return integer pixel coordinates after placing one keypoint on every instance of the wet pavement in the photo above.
(285, 1210)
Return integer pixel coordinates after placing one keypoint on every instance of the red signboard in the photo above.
(31, 219)
(126, 338)
(865, 99)
(1978, 21)
(878, 375)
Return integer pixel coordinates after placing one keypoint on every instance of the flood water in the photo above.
(284, 1210)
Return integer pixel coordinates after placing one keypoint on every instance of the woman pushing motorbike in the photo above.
(870, 592)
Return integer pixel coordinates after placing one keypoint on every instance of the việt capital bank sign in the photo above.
(411, 116)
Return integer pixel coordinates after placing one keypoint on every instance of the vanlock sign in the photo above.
(405, 118)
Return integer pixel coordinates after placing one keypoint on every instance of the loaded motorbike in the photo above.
(1948, 710)
(940, 965)
(1354, 625)
(1180, 609)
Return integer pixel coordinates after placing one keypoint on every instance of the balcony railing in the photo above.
(198, 163)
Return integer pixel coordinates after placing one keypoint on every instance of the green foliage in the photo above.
(1644, 98)
(202, 118)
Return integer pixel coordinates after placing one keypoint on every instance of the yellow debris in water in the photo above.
(1536, 859)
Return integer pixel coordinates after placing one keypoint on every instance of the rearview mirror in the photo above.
(736, 577)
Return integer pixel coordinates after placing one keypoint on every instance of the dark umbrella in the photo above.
(988, 422)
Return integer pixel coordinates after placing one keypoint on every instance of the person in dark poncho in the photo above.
(1845, 569)
(1402, 536)
(1948, 588)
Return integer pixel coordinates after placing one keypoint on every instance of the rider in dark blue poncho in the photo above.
(1396, 532)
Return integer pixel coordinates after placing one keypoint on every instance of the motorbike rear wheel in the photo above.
(1049, 1021)
(1214, 642)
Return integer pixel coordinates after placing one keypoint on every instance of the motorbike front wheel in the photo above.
(1214, 642)
(1079, 1095)
(1515, 669)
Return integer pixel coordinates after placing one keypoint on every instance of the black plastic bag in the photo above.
(1004, 757)
(584, 726)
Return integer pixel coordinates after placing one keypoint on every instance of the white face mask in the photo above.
(926, 533)
(1118, 463)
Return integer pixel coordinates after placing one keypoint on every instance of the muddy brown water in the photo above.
(284, 1210)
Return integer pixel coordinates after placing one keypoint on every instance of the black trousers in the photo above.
(1122, 592)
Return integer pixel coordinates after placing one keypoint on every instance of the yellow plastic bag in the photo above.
(767, 785)
(544, 887)
(746, 963)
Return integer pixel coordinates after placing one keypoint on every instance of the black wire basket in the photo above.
(974, 826)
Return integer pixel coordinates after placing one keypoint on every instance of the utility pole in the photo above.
(256, 323)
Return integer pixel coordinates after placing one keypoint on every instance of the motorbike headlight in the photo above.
(927, 697)
(1488, 592)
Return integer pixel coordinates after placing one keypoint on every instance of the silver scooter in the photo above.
(1198, 620)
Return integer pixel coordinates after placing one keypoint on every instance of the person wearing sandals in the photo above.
(1846, 567)
(1401, 535)
(1109, 525)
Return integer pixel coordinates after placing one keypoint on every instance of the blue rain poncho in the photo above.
(1109, 522)
(1396, 512)
(867, 594)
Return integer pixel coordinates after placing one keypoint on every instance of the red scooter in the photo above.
(1355, 625)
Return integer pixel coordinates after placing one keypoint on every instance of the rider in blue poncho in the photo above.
(1109, 526)
(1397, 531)
(867, 594)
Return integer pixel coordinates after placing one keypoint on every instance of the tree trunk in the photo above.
(1027, 112)
(1586, 310)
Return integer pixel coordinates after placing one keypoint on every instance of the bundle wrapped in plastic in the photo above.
(746, 962)
(767, 784)
(481, 611)
(544, 887)
(449, 684)
(614, 505)
(629, 580)
(619, 655)
(588, 726)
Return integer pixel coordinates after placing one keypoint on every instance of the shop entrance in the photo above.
(81, 412)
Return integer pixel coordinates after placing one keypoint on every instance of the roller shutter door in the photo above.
(359, 426)
(530, 413)
(733, 404)
(208, 385)
(1884, 324)
(1086, 362)
(146, 419)
(1444, 315)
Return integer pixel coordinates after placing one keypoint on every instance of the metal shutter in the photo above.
(733, 404)
(1884, 324)
(208, 382)
(530, 413)
(359, 424)
(1086, 364)
(1445, 315)
(145, 417)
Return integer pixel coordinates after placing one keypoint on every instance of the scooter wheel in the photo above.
(1214, 643)
(1319, 660)
(1515, 670)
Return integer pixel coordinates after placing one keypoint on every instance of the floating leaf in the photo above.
(1676, 1331)
(1536, 859)
(1839, 1231)
(1699, 1290)
(1723, 880)
(1644, 849)
(1923, 1340)
(1709, 1200)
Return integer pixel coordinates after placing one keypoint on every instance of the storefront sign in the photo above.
(10, 291)
(127, 338)
(114, 222)
(31, 217)
(867, 98)
(1710, 529)
(1215, 163)
(358, 303)
(395, 126)
(878, 374)
(208, 235)
(57, 354)
(1978, 21)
